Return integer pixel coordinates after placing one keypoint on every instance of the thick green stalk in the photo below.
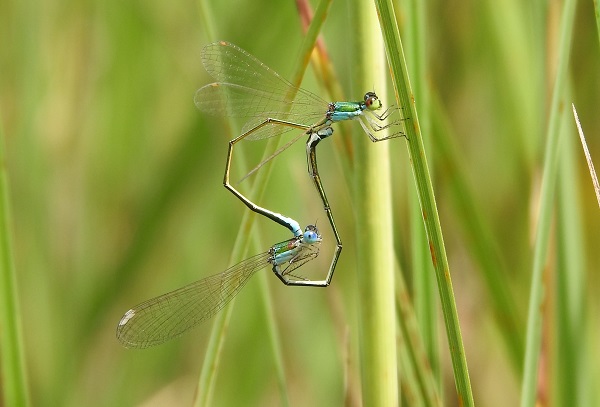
(374, 233)
(405, 98)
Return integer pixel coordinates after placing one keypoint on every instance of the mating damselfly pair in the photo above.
(247, 88)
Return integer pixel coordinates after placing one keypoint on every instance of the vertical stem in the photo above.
(374, 233)
(529, 387)
(416, 149)
(425, 300)
(570, 327)
(12, 367)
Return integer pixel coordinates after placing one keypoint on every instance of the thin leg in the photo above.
(284, 221)
(386, 113)
(367, 129)
(284, 273)
(379, 127)
(313, 140)
(306, 283)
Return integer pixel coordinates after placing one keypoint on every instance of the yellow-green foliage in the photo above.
(115, 196)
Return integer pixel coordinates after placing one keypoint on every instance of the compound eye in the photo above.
(310, 237)
(311, 234)
(372, 102)
(370, 95)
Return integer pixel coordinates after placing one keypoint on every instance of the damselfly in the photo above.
(246, 87)
(170, 315)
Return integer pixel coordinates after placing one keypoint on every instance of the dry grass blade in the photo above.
(588, 157)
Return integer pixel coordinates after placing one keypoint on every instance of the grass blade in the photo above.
(569, 328)
(12, 348)
(413, 348)
(536, 296)
(404, 98)
(588, 156)
(426, 305)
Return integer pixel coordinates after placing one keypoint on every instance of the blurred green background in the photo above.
(116, 193)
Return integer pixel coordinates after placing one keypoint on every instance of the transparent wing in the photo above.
(226, 99)
(248, 88)
(307, 253)
(269, 158)
(168, 316)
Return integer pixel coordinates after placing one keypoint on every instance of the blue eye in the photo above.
(311, 235)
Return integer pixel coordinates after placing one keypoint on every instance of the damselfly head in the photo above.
(372, 102)
(311, 235)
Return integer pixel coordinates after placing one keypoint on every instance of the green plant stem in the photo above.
(426, 305)
(13, 370)
(374, 233)
(570, 279)
(274, 338)
(405, 98)
(597, 17)
(536, 296)
(425, 379)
